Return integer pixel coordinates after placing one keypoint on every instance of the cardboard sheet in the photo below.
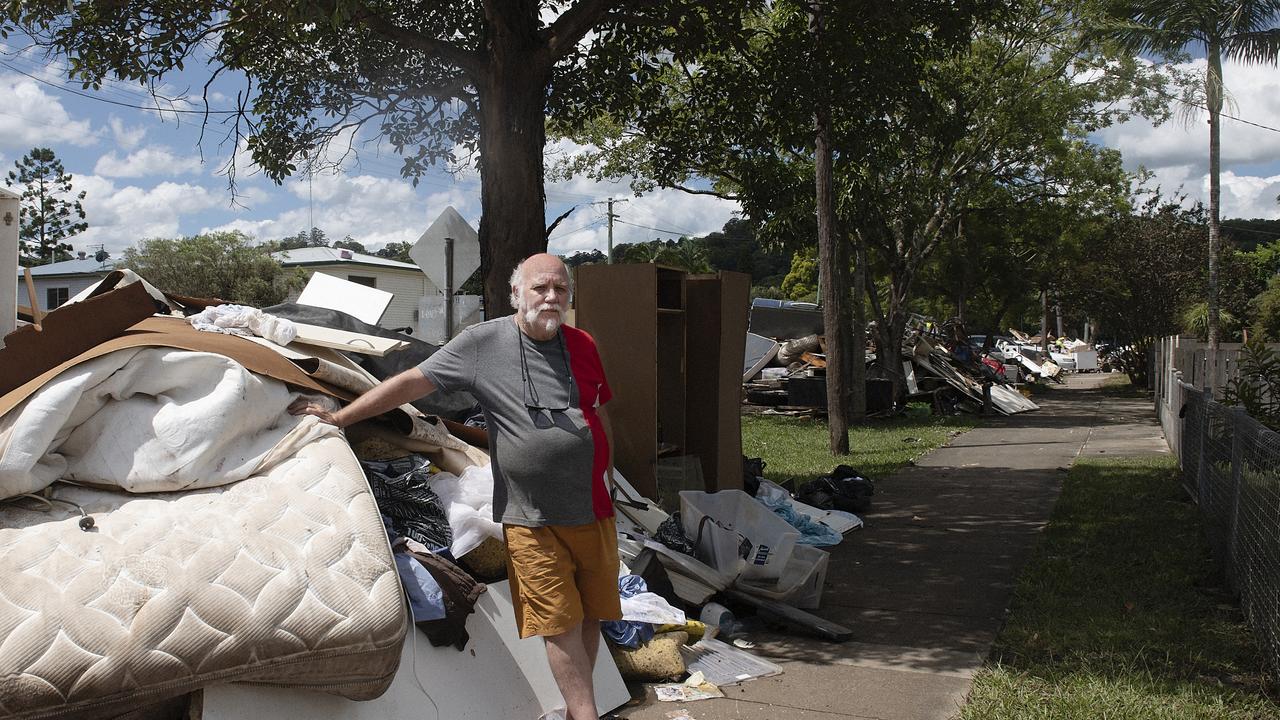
(359, 301)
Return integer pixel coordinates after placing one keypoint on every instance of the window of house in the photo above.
(55, 297)
(364, 280)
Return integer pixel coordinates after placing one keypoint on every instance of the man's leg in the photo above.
(591, 639)
(571, 666)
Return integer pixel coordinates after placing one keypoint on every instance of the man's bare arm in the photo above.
(608, 435)
(387, 395)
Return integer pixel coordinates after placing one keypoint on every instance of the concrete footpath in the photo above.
(926, 585)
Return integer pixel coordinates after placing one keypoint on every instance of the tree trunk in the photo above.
(833, 266)
(1044, 323)
(890, 329)
(858, 354)
(1213, 93)
(512, 103)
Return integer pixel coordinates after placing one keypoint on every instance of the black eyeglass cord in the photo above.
(528, 378)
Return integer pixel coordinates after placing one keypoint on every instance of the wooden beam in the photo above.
(31, 296)
(793, 617)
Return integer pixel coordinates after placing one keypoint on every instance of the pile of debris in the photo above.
(171, 537)
(937, 364)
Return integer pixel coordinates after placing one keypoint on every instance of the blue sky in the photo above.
(147, 174)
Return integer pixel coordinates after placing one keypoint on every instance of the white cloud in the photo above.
(147, 161)
(33, 118)
(370, 209)
(126, 138)
(1243, 196)
(665, 214)
(121, 216)
(1178, 152)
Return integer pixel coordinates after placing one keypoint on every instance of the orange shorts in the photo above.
(562, 574)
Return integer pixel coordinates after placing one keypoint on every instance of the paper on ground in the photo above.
(723, 664)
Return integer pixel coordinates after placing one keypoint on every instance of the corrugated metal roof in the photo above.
(88, 266)
(326, 255)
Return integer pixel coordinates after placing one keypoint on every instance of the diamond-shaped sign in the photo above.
(428, 252)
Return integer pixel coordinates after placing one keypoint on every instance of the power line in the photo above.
(1165, 95)
(109, 101)
(661, 230)
(563, 233)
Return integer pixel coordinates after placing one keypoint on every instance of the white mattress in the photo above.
(284, 578)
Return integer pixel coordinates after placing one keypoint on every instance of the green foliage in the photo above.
(689, 254)
(349, 243)
(586, 257)
(1140, 274)
(801, 283)
(1266, 308)
(437, 81)
(768, 291)
(1195, 321)
(50, 207)
(942, 110)
(396, 251)
(315, 237)
(1256, 387)
(738, 247)
(1249, 235)
(1240, 30)
(220, 265)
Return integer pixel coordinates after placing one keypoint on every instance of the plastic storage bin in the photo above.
(741, 538)
(801, 583)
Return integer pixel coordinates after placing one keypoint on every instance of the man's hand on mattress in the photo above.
(306, 406)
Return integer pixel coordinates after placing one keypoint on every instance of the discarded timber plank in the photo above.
(795, 617)
(814, 360)
(345, 340)
(36, 313)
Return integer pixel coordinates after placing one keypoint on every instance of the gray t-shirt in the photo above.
(541, 446)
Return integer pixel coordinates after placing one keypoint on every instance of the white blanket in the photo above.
(135, 419)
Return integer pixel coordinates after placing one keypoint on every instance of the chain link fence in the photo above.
(1231, 466)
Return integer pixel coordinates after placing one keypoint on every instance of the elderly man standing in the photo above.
(542, 387)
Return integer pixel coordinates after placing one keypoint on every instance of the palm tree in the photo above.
(1241, 30)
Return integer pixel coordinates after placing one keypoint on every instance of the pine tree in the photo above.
(51, 210)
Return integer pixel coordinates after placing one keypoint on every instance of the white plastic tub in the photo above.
(742, 539)
(801, 582)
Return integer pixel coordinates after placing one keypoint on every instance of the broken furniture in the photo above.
(671, 344)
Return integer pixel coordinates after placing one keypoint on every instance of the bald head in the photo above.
(540, 290)
(527, 269)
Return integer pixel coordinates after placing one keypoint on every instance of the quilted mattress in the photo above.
(284, 578)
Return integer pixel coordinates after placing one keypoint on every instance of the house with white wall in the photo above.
(403, 280)
(56, 282)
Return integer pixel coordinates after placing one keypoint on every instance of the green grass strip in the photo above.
(795, 449)
(1117, 615)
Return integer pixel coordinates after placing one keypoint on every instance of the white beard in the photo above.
(534, 319)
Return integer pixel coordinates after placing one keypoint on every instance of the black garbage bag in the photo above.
(453, 405)
(844, 489)
(401, 492)
(752, 471)
(671, 534)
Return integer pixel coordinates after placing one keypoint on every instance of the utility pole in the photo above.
(610, 216)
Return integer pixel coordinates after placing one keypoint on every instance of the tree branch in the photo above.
(573, 24)
(471, 63)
